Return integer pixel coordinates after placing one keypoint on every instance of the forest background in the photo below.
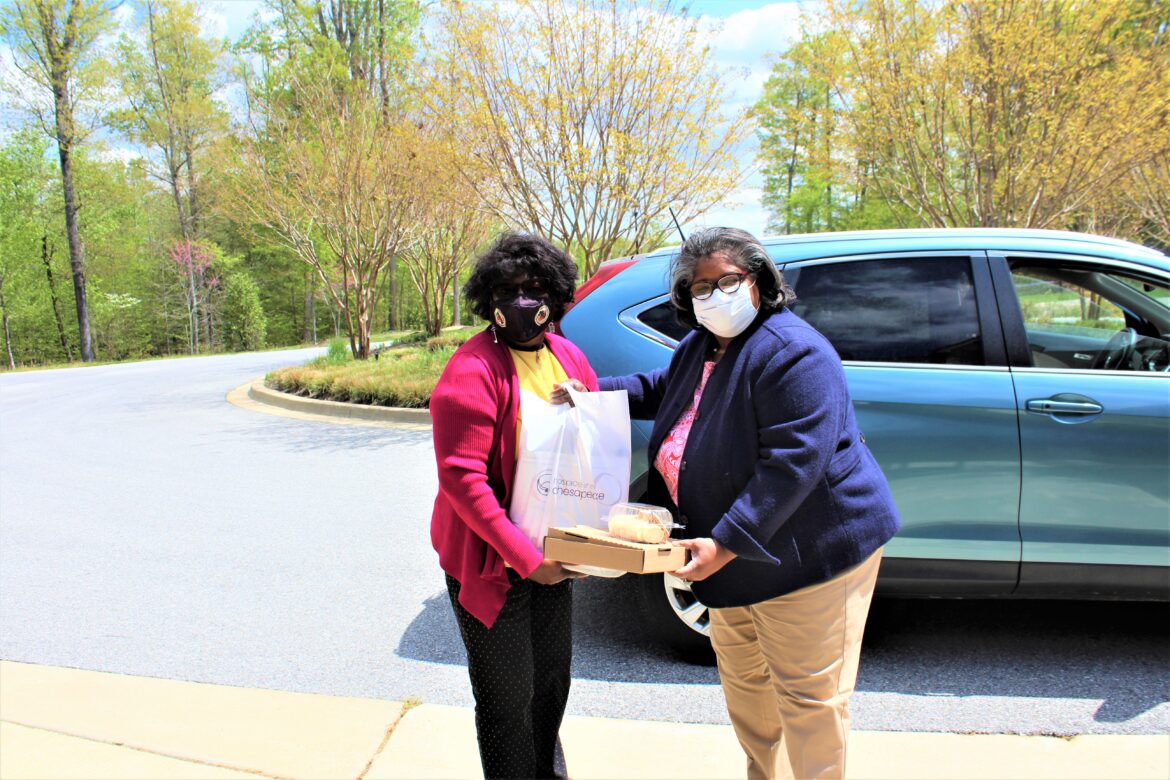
(333, 170)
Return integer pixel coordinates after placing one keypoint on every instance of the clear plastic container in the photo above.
(643, 523)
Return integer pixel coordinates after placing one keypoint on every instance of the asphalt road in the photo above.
(149, 527)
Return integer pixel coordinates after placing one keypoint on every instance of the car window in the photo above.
(1080, 315)
(662, 318)
(902, 310)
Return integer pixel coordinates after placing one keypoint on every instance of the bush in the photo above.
(414, 337)
(337, 352)
(244, 324)
(403, 376)
(451, 339)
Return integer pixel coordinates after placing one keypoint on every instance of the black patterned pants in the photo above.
(520, 677)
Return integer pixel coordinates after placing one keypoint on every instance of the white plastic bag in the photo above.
(573, 462)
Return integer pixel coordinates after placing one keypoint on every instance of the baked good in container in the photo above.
(643, 523)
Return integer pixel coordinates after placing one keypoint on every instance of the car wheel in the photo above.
(671, 611)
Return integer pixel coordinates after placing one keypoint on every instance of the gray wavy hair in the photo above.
(743, 249)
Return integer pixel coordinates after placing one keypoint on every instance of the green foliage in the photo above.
(244, 324)
(952, 113)
(337, 352)
(167, 71)
(412, 337)
(120, 329)
(402, 376)
(451, 338)
(343, 41)
(811, 184)
(25, 186)
(119, 221)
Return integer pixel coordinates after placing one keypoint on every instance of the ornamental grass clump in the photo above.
(401, 376)
(337, 352)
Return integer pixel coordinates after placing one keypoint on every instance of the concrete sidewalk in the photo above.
(66, 723)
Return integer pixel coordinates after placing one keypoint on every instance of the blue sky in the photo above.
(728, 7)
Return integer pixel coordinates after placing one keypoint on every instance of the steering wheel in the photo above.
(1117, 351)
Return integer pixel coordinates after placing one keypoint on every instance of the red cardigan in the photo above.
(473, 410)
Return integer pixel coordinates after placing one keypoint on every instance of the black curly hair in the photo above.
(743, 249)
(514, 253)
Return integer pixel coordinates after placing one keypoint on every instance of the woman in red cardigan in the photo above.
(513, 606)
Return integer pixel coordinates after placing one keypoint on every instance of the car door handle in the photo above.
(1059, 406)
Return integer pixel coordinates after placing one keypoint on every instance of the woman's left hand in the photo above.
(707, 557)
(561, 396)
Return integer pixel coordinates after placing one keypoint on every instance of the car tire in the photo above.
(676, 617)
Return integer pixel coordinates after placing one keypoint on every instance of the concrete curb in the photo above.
(60, 723)
(334, 411)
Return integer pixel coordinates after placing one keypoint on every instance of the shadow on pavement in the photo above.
(608, 642)
(1116, 653)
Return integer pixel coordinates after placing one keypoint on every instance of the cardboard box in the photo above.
(592, 547)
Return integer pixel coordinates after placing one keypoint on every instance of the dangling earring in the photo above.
(494, 339)
(552, 327)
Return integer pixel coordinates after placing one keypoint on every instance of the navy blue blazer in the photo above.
(775, 468)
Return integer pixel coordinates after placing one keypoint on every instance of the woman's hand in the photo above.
(707, 557)
(560, 395)
(549, 572)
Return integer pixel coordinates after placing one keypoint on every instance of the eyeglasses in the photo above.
(533, 288)
(729, 283)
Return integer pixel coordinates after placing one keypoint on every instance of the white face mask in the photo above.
(727, 314)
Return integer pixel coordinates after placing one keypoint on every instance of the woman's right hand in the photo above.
(560, 393)
(549, 572)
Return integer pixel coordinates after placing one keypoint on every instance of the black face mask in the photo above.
(521, 319)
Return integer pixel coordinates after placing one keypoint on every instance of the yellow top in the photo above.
(538, 372)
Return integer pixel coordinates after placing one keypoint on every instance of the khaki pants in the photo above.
(788, 666)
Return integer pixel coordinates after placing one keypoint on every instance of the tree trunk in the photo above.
(457, 319)
(64, 112)
(309, 333)
(192, 200)
(7, 331)
(392, 321)
(192, 306)
(334, 315)
(791, 171)
(363, 352)
(208, 329)
(46, 259)
(383, 78)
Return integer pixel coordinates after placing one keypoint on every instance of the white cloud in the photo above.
(124, 15)
(122, 154)
(213, 23)
(741, 209)
(229, 18)
(18, 93)
(746, 44)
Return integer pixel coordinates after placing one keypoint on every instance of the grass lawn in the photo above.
(403, 375)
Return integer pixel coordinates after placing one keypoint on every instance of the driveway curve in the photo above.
(150, 527)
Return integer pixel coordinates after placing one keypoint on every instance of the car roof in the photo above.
(805, 246)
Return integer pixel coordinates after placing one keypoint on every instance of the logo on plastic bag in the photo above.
(605, 489)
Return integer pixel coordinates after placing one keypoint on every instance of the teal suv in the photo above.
(1013, 384)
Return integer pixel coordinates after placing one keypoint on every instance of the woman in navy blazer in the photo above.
(756, 449)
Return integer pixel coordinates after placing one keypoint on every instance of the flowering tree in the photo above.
(193, 261)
